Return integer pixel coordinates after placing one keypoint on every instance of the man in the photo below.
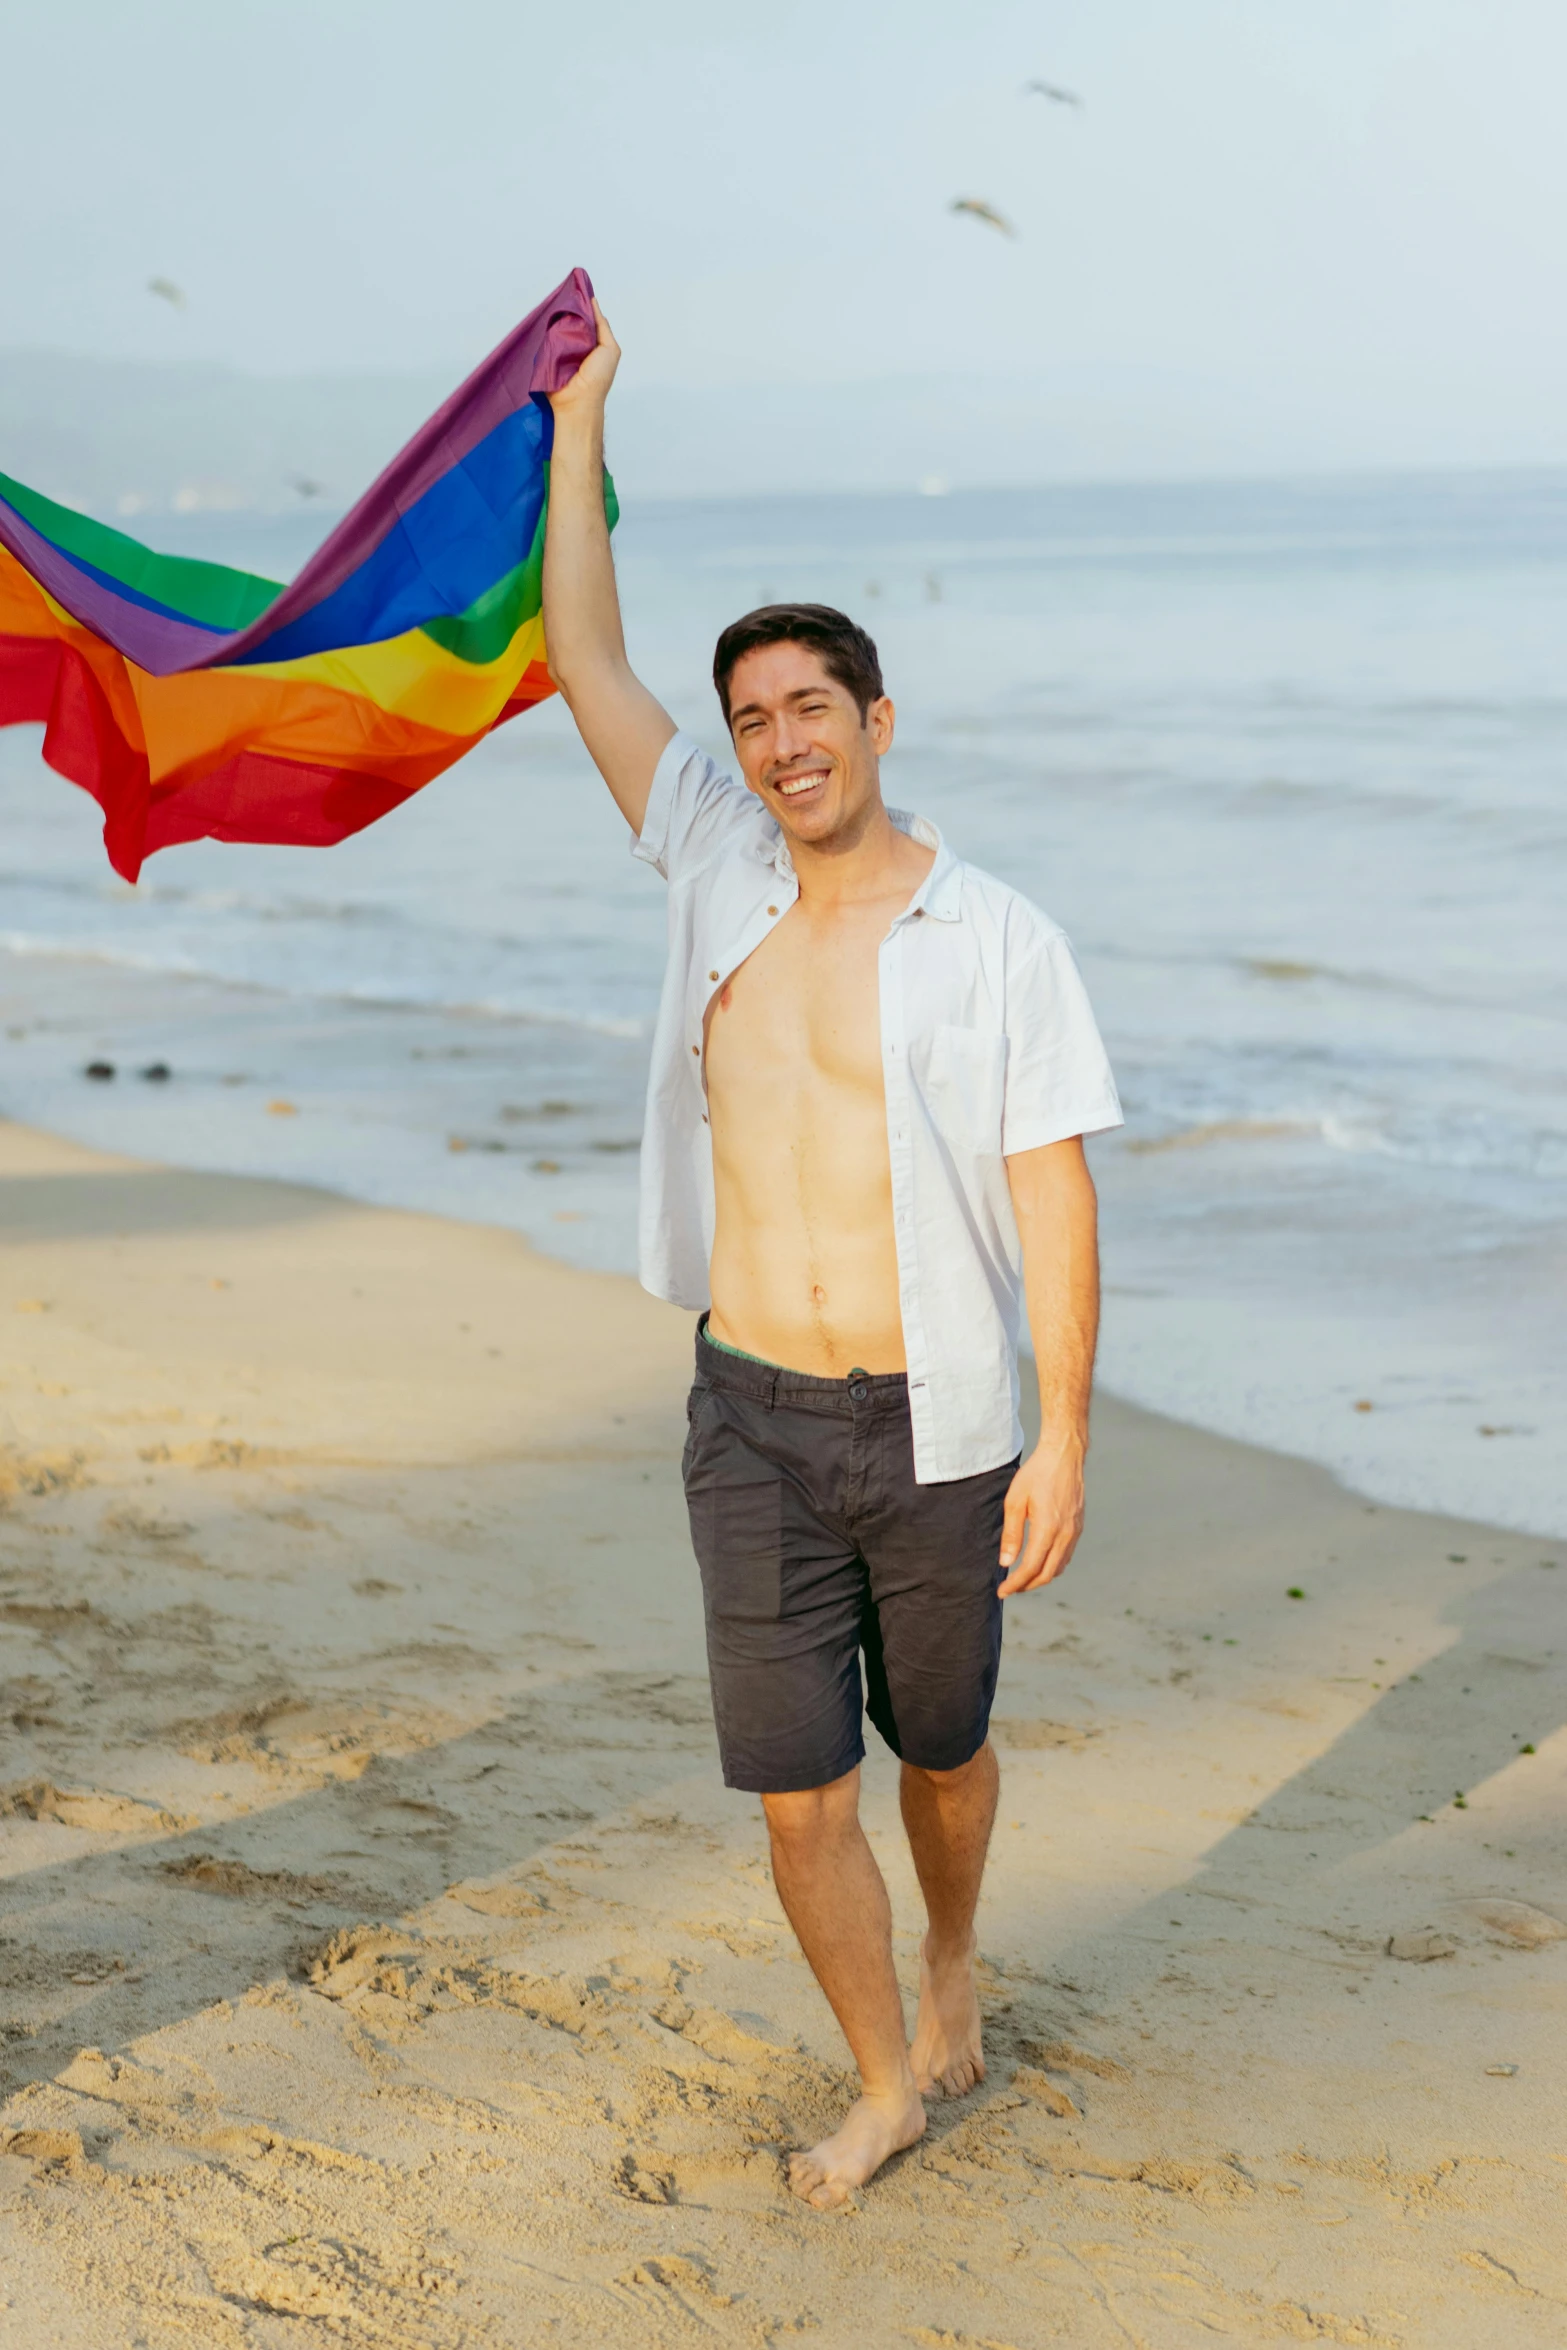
(872, 1071)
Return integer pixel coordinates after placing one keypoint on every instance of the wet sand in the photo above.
(383, 1962)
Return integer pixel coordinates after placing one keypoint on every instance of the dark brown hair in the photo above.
(846, 652)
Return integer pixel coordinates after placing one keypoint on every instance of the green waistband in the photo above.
(739, 1352)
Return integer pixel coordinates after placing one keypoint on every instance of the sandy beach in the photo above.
(384, 1963)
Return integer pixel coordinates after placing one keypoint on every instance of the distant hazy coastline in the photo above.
(127, 440)
(133, 441)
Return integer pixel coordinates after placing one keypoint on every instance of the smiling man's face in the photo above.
(802, 745)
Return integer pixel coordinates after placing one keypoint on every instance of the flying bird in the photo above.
(305, 487)
(1052, 90)
(986, 212)
(166, 291)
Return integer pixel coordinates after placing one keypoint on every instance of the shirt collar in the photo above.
(941, 891)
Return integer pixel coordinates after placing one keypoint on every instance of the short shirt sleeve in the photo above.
(1058, 1080)
(694, 811)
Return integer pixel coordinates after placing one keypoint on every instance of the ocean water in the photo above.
(1289, 761)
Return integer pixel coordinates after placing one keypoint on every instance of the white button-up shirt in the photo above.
(988, 1048)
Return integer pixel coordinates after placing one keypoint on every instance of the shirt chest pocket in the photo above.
(965, 1085)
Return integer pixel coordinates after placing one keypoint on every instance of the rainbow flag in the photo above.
(199, 703)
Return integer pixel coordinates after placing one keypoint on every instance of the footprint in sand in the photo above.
(1025, 1735)
(90, 1808)
(1518, 1922)
(38, 1474)
(1061, 2056)
(1041, 2090)
(505, 1900)
(752, 2180)
(43, 2146)
(206, 1873)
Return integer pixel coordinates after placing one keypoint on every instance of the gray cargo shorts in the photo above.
(818, 1549)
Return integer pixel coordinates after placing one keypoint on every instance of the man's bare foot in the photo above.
(874, 2129)
(946, 2053)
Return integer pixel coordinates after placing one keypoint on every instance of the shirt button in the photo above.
(772, 909)
(712, 975)
(696, 1048)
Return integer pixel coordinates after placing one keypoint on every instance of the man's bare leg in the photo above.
(949, 1816)
(836, 1901)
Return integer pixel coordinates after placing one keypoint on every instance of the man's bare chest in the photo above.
(804, 1009)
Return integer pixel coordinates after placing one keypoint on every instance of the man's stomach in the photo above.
(810, 1282)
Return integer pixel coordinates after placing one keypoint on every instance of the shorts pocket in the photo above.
(696, 1402)
(735, 1498)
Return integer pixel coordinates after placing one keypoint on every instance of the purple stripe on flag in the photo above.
(540, 355)
(151, 639)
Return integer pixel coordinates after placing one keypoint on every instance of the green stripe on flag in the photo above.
(210, 593)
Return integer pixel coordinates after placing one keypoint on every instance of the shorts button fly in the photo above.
(857, 1385)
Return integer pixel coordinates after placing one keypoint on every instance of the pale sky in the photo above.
(1345, 217)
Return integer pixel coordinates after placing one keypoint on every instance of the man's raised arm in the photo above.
(624, 728)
